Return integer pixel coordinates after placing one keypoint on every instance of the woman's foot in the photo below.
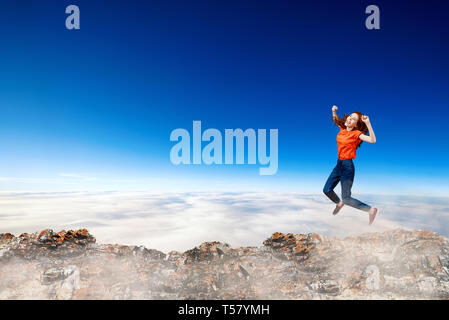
(372, 215)
(338, 207)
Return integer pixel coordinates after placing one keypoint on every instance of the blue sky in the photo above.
(93, 109)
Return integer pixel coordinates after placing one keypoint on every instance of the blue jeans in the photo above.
(344, 173)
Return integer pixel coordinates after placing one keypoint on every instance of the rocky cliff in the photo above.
(397, 264)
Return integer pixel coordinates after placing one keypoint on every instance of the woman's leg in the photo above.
(346, 186)
(347, 179)
(331, 183)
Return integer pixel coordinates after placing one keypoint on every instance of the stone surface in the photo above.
(396, 264)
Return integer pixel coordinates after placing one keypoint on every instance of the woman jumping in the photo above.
(353, 129)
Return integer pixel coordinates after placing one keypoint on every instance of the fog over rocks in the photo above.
(394, 264)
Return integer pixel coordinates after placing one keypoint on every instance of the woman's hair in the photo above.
(361, 126)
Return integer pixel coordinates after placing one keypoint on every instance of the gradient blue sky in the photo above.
(92, 109)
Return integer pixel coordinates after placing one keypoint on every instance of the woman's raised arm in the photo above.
(372, 137)
(334, 111)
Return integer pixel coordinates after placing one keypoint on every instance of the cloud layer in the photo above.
(180, 221)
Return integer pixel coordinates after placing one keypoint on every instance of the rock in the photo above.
(395, 264)
(244, 272)
(6, 236)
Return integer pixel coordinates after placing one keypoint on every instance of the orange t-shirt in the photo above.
(347, 142)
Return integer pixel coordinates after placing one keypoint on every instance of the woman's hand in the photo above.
(365, 119)
(334, 108)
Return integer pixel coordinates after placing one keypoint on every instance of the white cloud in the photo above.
(179, 221)
(78, 176)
